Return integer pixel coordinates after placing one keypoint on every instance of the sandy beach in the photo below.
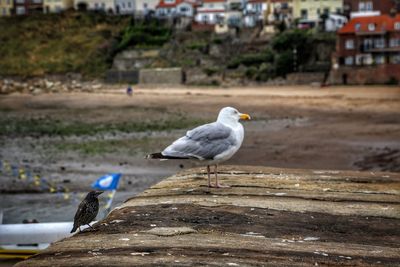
(71, 139)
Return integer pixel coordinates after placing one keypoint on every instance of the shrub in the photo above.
(210, 71)
(251, 59)
(284, 63)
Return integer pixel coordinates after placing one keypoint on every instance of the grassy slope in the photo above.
(71, 42)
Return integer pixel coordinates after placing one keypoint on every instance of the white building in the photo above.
(175, 8)
(211, 12)
(335, 22)
(145, 6)
(124, 6)
(107, 6)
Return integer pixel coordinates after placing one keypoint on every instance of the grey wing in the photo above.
(203, 142)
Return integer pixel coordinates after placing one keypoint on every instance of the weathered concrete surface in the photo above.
(161, 76)
(269, 217)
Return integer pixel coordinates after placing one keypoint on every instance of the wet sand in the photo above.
(346, 128)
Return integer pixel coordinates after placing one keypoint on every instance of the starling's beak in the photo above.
(99, 192)
(245, 116)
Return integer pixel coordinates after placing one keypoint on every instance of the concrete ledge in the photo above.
(161, 76)
(269, 217)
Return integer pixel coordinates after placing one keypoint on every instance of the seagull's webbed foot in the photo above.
(217, 184)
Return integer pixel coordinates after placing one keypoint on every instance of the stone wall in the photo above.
(161, 76)
(305, 78)
(117, 76)
(134, 59)
(381, 74)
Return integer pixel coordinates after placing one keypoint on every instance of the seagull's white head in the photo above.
(231, 116)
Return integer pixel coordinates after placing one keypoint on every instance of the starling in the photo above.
(87, 210)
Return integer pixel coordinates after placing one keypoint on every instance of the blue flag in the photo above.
(107, 182)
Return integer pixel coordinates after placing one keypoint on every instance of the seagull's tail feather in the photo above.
(160, 156)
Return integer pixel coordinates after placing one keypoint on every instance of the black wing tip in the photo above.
(159, 155)
(154, 156)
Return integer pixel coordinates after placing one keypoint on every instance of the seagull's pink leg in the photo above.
(208, 173)
(217, 185)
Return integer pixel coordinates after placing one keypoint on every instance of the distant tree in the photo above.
(293, 47)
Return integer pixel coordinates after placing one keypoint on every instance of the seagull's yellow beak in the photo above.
(245, 117)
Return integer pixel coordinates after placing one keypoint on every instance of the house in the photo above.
(335, 22)
(124, 7)
(368, 50)
(311, 10)
(211, 12)
(356, 8)
(144, 7)
(175, 8)
(276, 10)
(27, 7)
(57, 6)
(107, 6)
(6, 7)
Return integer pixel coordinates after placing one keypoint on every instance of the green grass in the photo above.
(58, 43)
(12, 126)
(151, 35)
(132, 146)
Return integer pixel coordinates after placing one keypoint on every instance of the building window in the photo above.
(123, 5)
(103, 6)
(4, 11)
(397, 26)
(379, 59)
(380, 43)
(368, 44)
(394, 42)
(395, 59)
(204, 18)
(20, 1)
(20, 10)
(96, 6)
(129, 4)
(357, 27)
(349, 44)
(365, 6)
(369, 6)
(184, 9)
(304, 13)
(349, 61)
(371, 27)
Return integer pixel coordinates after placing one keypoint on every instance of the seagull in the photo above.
(210, 143)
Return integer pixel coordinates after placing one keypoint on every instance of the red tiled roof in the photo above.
(166, 5)
(382, 23)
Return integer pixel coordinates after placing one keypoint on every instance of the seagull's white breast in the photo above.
(238, 133)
